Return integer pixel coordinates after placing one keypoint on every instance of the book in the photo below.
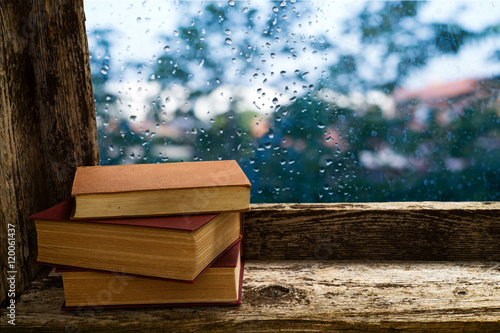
(219, 284)
(173, 247)
(159, 189)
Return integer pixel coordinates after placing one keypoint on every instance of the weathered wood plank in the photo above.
(374, 231)
(47, 119)
(303, 296)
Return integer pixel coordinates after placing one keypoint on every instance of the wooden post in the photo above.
(47, 121)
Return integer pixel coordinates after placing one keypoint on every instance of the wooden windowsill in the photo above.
(303, 296)
(325, 267)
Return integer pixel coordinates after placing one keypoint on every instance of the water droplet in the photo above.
(270, 134)
(166, 48)
(275, 100)
(329, 161)
(229, 41)
(283, 73)
(167, 100)
(111, 148)
(268, 145)
(219, 157)
(133, 117)
(139, 20)
(227, 31)
(230, 3)
(275, 9)
(201, 62)
(176, 33)
(321, 125)
(104, 71)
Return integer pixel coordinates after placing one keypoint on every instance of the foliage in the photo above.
(308, 146)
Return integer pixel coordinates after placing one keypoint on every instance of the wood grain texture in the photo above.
(374, 231)
(47, 120)
(303, 296)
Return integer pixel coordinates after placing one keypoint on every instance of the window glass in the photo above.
(317, 101)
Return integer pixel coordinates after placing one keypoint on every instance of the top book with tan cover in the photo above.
(160, 189)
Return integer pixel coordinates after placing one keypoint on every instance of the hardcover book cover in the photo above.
(117, 191)
(163, 247)
(220, 284)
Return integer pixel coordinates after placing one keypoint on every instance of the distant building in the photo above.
(454, 96)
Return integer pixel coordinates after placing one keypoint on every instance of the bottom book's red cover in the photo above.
(228, 259)
(160, 305)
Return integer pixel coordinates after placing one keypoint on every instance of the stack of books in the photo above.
(148, 235)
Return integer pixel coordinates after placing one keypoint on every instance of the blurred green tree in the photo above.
(316, 141)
